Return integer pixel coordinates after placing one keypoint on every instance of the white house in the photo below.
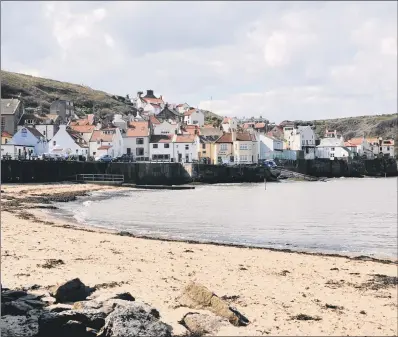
(149, 103)
(68, 141)
(245, 148)
(164, 128)
(106, 141)
(332, 148)
(27, 137)
(119, 122)
(47, 125)
(194, 117)
(161, 148)
(360, 146)
(136, 139)
(185, 148)
(301, 138)
(229, 124)
(268, 146)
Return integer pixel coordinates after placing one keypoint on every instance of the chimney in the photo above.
(149, 92)
(161, 97)
(233, 133)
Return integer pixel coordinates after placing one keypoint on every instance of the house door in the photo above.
(179, 157)
(128, 151)
(187, 158)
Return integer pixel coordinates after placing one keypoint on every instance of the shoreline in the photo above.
(118, 190)
(266, 285)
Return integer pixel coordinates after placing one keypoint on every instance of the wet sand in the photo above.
(352, 297)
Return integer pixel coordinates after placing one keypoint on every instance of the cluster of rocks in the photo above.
(73, 309)
(68, 312)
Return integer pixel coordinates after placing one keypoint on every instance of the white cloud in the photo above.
(287, 60)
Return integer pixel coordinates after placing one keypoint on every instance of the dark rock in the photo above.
(124, 296)
(134, 320)
(59, 307)
(53, 324)
(15, 308)
(305, 317)
(71, 291)
(334, 268)
(21, 326)
(12, 295)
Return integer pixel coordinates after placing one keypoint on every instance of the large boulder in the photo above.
(134, 320)
(71, 291)
(21, 326)
(201, 324)
(197, 296)
(15, 308)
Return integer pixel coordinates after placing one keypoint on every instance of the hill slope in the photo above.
(36, 91)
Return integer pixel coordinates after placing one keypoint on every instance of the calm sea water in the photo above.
(347, 216)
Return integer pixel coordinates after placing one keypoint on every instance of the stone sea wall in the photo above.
(13, 171)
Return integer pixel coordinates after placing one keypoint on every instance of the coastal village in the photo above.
(158, 131)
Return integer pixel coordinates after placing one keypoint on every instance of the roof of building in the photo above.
(327, 142)
(259, 126)
(34, 132)
(5, 134)
(100, 135)
(83, 128)
(248, 125)
(138, 129)
(226, 120)
(245, 137)
(388, 142)
(152, 100)
(9, 106)
(356, 141)
(225, 138)
(373, 140)
(184, 139)
(161, 139)
(189, 112)
(76, 137)
(153, 119)
(210, 131)
(207, 139)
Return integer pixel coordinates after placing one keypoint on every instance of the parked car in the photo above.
(270, 163)
(124, 158)
(106, 158)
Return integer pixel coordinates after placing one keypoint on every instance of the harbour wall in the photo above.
(35, 171)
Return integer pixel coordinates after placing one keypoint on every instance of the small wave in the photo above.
(87, 203)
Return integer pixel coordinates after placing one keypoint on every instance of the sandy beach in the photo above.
(351, 297)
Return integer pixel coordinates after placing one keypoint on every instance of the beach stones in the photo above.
(134, 320)
(71, 291)
(197, 296)
(201, 324)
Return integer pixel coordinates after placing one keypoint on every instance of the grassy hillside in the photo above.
(369, 126)
(36, 91)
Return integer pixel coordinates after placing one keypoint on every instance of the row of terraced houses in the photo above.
(158, 131)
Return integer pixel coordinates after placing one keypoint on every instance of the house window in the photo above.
(332, 149)
(154, 146)
(44, 133)
(98, 142)
(166, 146)
(243, 158)
(203, 146)
(54, 143)
(139, 151)
(94, 153)
(223, 147)
(140, 141)
(128, 150)
(381, 149)
(186, 147)
(243, 147)
(302, 142)
(3, 123)
(187, 158)
(307, 142)
(388, 148)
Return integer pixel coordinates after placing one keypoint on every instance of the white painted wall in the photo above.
(131, 142)
(160, 148)
(63, 140)
(195, 118)
(331, 152)
(164, 128)
(25, 138)
(267, 146)
(187, 150)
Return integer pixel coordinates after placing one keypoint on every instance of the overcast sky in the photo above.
(281, 60)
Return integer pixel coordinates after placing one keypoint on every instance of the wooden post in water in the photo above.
(265, 183)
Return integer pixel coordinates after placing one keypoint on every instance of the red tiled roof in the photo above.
(356, 141)
(5, 134)
(247, 125)
(153, 120)
(225, 138)
(259, 126)
(184, 139)
(189, 112)
(104, 147)
(226, 119)
(161, 139)
(99, 135)
(83, 128)
(244, 137)
(138, 129)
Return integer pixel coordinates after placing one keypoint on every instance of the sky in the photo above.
(281, 60)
